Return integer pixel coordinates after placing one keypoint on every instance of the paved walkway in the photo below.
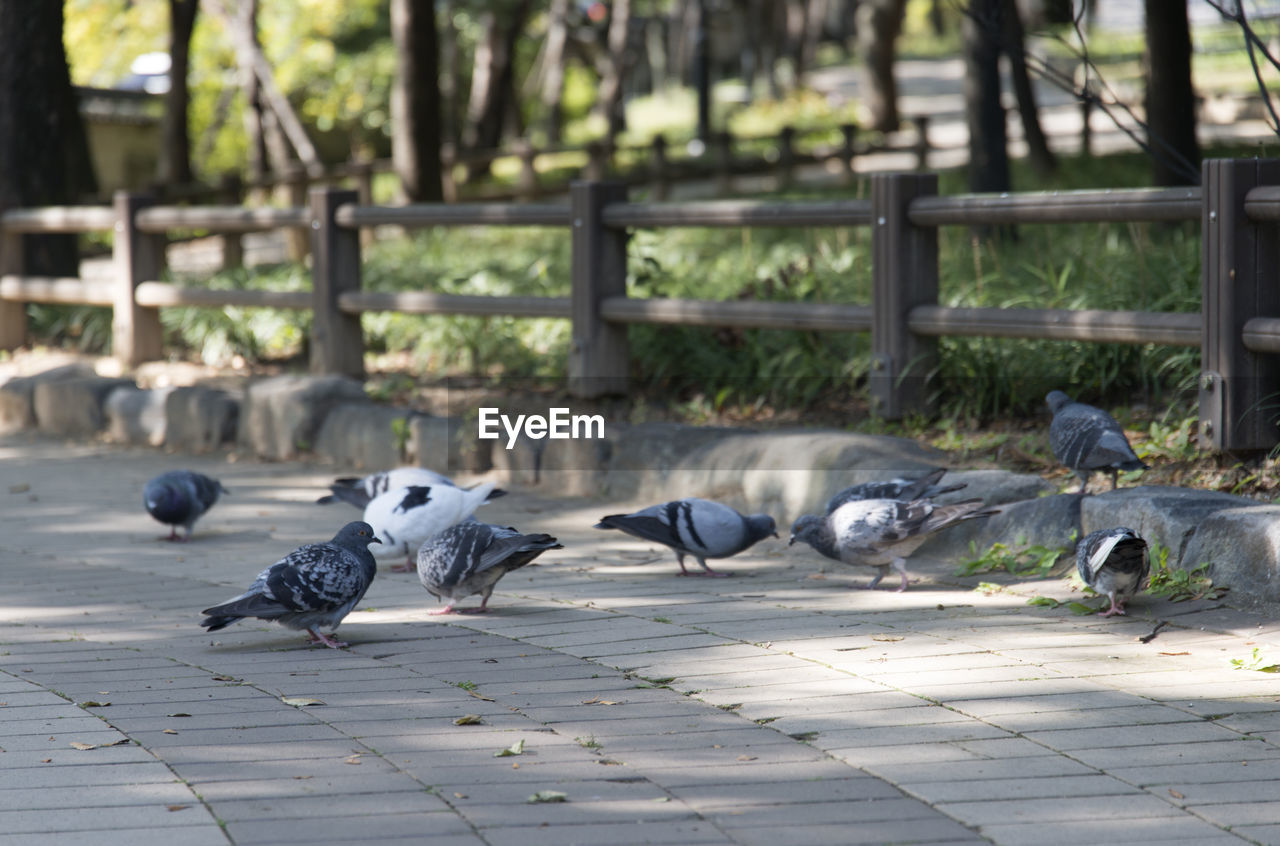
(776, 706)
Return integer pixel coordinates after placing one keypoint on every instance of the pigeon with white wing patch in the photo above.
(881, 533)
(1115, 563)
(1088, 440)
(471, 557)
(925, 487)
(180, 498)
(360, 491)
(313, 587)
(404, 518)
(697, 527)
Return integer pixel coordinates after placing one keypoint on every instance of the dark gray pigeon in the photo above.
(697, 527)
(314, 586)
(1115, 563)
(881, 533)
(471, 557)
(925, 487)
(360, 491)
(180, 498)
(1087, 439)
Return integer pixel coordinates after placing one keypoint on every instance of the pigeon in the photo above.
(881, 533)
(696, 527)
(406, 517)
(315, 585)
(1114, 562)
(180, 498)
(1087, 439)
(360, 491)
(471, 557)
(925, 487)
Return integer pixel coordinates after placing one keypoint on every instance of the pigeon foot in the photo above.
(321, 637)
(436, 612)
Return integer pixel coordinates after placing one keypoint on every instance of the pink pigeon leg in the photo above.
(435, 612)
(320, 637)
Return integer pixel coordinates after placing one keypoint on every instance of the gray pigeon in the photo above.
(471, 557)
(315, 585)
(1087, 439)
(881, 533)
(925, 487)
(180, 498)
(1114, 562)
(696, 527)
(360, 491)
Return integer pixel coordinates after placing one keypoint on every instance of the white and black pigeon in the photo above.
(1087, 439)
(403, 518)
(180, 498)
(313, 587)
(470, 558)
(697, 527)
(925, 487)
(1115, 563)
(360, 491)
(881, 533)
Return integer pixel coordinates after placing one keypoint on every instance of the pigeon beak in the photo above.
(375, 540)
(774, 535)
(792, 541)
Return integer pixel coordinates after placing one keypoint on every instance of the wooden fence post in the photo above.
(599, 362)
(337, 345)
(231, 192)
(362, 175)
(295, 183)
(136, 334)
(786, 157)
(527, 183)
(849, 134)
(1240, 279)
(722, 161)
(658, 168)
(597, 162)
(1086, 131)
(13, 315)
(904, 274)
(922, 141)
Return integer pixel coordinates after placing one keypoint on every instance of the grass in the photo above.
(1033, 561)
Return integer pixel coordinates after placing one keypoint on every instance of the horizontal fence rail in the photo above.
(1237, 329)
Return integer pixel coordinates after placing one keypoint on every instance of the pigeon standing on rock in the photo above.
(361, 491)
(314, 586)
(1115, 563)
(1087, 439)
(471, 557)
(881, 533)
(696, 527)
(406, 517)
(908, 490)
(180, 498)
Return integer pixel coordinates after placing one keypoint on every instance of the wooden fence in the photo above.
(1237, 329)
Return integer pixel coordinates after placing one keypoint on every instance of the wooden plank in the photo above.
(72, 219)
(13, 310)
(904, 275)
(599, 359)
(227, 219)
(428, 302)
(166, 295)
(740, 213)
(455, 214)
(1108, 327)
(136, 334)
(63, 290)
(1121, 206)
(1262, 334)
(817, 317)
(337, 343)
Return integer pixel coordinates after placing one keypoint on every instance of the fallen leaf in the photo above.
(178, 714)
(354, 759)
(817, 577)
(92, 703)
(609, 762)
(1173, 653)
(480, 696)
(516, 748)
(468, 720)
(225, 678)
(1175, 794)
(662, 799)
(887, 638)
(515, 766)
(176, 807)
(459, 795)
(746, 757)
(299, 701)
(543, 796)
(75, 744)
(169, 731)
(46, 760)
(124, 741)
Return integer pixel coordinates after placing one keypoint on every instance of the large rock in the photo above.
(200, 419)
(364, 436)
(1049, 521)
(136, 416)
(447, 445)
(1242, 547)
(282, 415)
(17, 396)
(1167, 516)
(560, 467)
(74, 407)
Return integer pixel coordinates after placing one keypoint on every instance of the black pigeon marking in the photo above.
(470, 558)
(925, 487)
(1088, 440)
(414, 496)
(1115, 563)
(697, 527)
(180, 498)
(314, 586)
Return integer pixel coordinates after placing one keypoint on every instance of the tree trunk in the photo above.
(43, 146)
(175, 148)
(1042, 158)
(615, 61)
(553, 69)
(247, 21)
(451, 109)
(878, 25)
(415, 100)
(1171, 116)
(493, 80)
(988, 142)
